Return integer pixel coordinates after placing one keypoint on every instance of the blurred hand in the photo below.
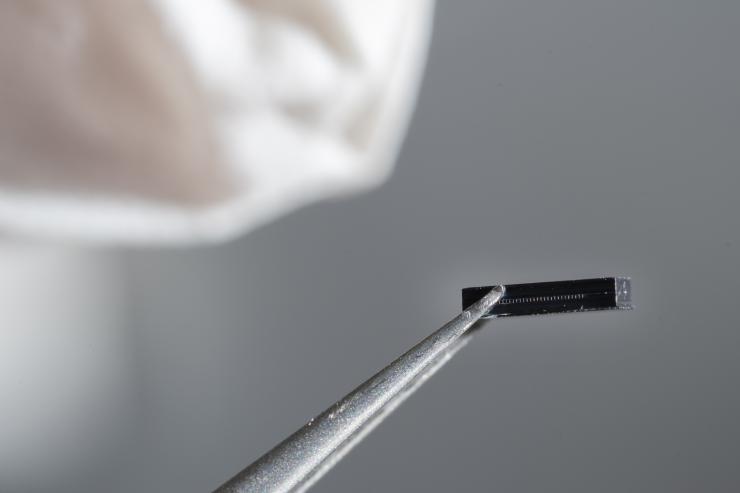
(182, 120)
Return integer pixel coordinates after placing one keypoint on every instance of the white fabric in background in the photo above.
(174, 121)
(68, 388)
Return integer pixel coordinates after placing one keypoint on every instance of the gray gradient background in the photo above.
(553, 139)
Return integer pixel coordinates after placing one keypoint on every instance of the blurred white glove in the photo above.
(187, 120)
(164, 121)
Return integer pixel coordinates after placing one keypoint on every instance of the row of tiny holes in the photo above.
(537, 299)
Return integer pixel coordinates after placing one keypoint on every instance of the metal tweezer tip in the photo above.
(541, 298)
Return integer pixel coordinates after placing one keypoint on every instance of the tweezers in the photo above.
(303, 458)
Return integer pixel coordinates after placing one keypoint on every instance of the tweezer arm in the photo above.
(303, 458)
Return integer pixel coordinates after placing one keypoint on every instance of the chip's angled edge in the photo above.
(542, 298)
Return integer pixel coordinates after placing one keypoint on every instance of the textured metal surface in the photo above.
(301, 459)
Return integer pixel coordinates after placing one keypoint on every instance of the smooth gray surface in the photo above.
(593, 137)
